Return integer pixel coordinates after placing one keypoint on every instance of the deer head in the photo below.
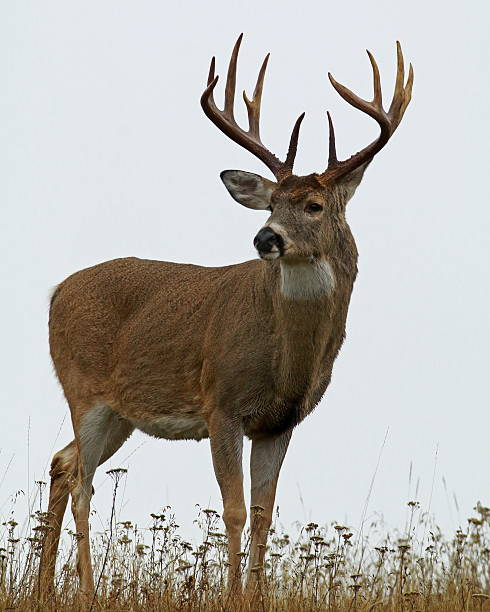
(305, 210)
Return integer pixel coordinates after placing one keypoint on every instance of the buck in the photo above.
(189, 352)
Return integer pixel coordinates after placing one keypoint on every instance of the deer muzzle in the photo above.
(269, 245)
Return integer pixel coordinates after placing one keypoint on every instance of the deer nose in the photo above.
(267, 241)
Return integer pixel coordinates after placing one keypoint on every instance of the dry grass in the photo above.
(319, 568)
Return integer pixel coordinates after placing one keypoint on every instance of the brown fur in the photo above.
(183, 351)
(150, 338)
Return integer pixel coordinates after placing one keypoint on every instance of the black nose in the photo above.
(266, 240)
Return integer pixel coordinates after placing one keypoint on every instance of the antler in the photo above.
(388, 121)
(225, 120)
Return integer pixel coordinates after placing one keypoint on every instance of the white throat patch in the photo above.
(307, 281)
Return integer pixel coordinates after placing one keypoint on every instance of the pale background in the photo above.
(106, 153)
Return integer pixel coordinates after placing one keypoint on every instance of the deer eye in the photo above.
(313, 207)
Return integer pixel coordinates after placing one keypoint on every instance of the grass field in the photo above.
(315, 568)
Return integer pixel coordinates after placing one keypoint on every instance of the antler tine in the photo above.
(293, 147)
(225, 120)
(353, 99)
(212, 66)
(378, 97)
(332, 151)
(208, 94)
(231, 79)
(387, 121)
(253, 105)
(407, 93)
(400, 78)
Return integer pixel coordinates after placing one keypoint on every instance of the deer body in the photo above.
(186, 352)
(160, 343)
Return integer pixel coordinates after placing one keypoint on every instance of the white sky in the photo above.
(108, 154)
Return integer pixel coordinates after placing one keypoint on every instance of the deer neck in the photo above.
(306, 280)
(303, 304)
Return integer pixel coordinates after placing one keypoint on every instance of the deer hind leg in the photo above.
(63, 475)
(100, 434)
(226, 438)
(266, 460)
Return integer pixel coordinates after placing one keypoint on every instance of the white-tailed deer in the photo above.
(188, 352)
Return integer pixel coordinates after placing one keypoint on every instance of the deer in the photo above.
(182, 351)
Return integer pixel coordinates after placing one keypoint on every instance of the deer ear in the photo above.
(350, 182)
(250, 190)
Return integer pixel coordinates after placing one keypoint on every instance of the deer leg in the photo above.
(265, 464)
(226, 437)
(100, 434)
(63, 473)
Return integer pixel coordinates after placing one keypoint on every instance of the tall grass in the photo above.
(315, 568)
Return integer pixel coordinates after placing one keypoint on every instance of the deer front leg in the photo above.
(265, 464)
(226, 437)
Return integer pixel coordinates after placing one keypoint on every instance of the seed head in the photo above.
(481, 596)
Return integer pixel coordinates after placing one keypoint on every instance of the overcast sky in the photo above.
(107, 153)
